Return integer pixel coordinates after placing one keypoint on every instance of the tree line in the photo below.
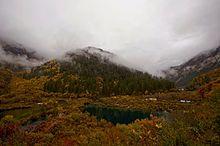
(102, 78)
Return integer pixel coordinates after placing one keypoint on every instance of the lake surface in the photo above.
(116, 115)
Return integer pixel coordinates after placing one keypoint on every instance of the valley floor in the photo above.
(30, 116)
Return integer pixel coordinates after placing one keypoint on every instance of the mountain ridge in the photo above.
(16, 57)
(201, 63)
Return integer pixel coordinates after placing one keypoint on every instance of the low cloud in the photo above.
(152, 34)
(19, 60)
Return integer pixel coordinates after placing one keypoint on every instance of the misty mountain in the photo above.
(92, 72)
(96, 60)
(16, 56)
(201, 63)
(92, 51)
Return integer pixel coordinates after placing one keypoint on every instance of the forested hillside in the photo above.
(96, 77)
(86, 99)
(206, 81)
(5, 77)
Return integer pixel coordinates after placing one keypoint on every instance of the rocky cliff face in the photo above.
(202, 63)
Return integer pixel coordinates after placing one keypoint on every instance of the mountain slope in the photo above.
(202, 63)
(5, 77)
(211, 78)
(91, 71)
(92, 51)
(15, 56)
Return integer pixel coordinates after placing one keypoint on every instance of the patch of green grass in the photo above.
(19, 114)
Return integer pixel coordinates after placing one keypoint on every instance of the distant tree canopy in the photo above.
(92, 75)
(5, 77)
(204, 79)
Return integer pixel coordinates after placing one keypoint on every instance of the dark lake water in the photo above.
(116, 115)
(34, 122)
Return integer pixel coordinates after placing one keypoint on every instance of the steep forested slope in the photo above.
(93, 74)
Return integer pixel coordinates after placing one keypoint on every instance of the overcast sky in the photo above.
(153, 34)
